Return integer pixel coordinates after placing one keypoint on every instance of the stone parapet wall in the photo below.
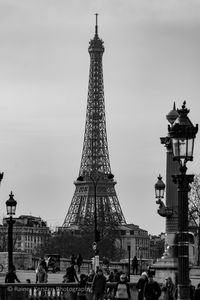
(22, 261)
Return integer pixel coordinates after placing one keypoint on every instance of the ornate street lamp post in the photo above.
(182, 134)
(163, 210)
(95, 178)
(11, 204)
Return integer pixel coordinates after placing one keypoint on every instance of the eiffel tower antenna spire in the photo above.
(95, 195)
(96, 26)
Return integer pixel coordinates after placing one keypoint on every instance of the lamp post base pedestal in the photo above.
(183, 292)
(164, 268)
(169, 268)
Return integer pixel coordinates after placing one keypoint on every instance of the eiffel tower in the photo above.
(95, 197)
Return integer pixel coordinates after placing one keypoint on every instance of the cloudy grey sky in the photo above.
(151, 59)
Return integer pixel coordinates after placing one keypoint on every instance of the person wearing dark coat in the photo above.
(43, 263)
(140, 285)
(99, 285)
(116, 275)
(135, 265)
(81, 295)
(152, 290)
(91, 276)
(170, 289)
(70, 275)
(79, 261)
(73, 259)
(11, 276)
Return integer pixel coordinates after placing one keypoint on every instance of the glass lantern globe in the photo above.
(183, 134)
(159, 188)
(11, 204)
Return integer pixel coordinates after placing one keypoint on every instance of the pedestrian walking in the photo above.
(106, 263)
(116, 275)
(43, 263)
(110, 290)
(73, 259)
(169, 288)
(111, 277)
(135, 265)
(122, 290)
(81, 295)
(70, 275)
(11, 276)
(79, 261)
(99, 285)
(41, 274)
(197, 293)
(152, 290)
(140, 285)
(27, 292)
(89, 293)
(91, 276)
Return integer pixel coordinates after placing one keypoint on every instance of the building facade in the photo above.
(30, 234)
(137, 239)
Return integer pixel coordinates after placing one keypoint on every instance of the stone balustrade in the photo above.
(47, 291)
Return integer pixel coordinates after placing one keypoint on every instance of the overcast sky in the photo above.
(151, 59)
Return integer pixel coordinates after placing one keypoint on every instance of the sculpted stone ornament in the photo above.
(163, 210)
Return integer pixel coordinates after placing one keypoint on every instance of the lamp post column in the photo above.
(96, 232)
(10, 242)
(95, 211)
(183, 181)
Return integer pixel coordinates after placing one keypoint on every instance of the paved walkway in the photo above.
(24, 274)
(52, 277)
(58, 277)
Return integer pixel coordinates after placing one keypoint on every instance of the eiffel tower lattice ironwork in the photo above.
(95, 195)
